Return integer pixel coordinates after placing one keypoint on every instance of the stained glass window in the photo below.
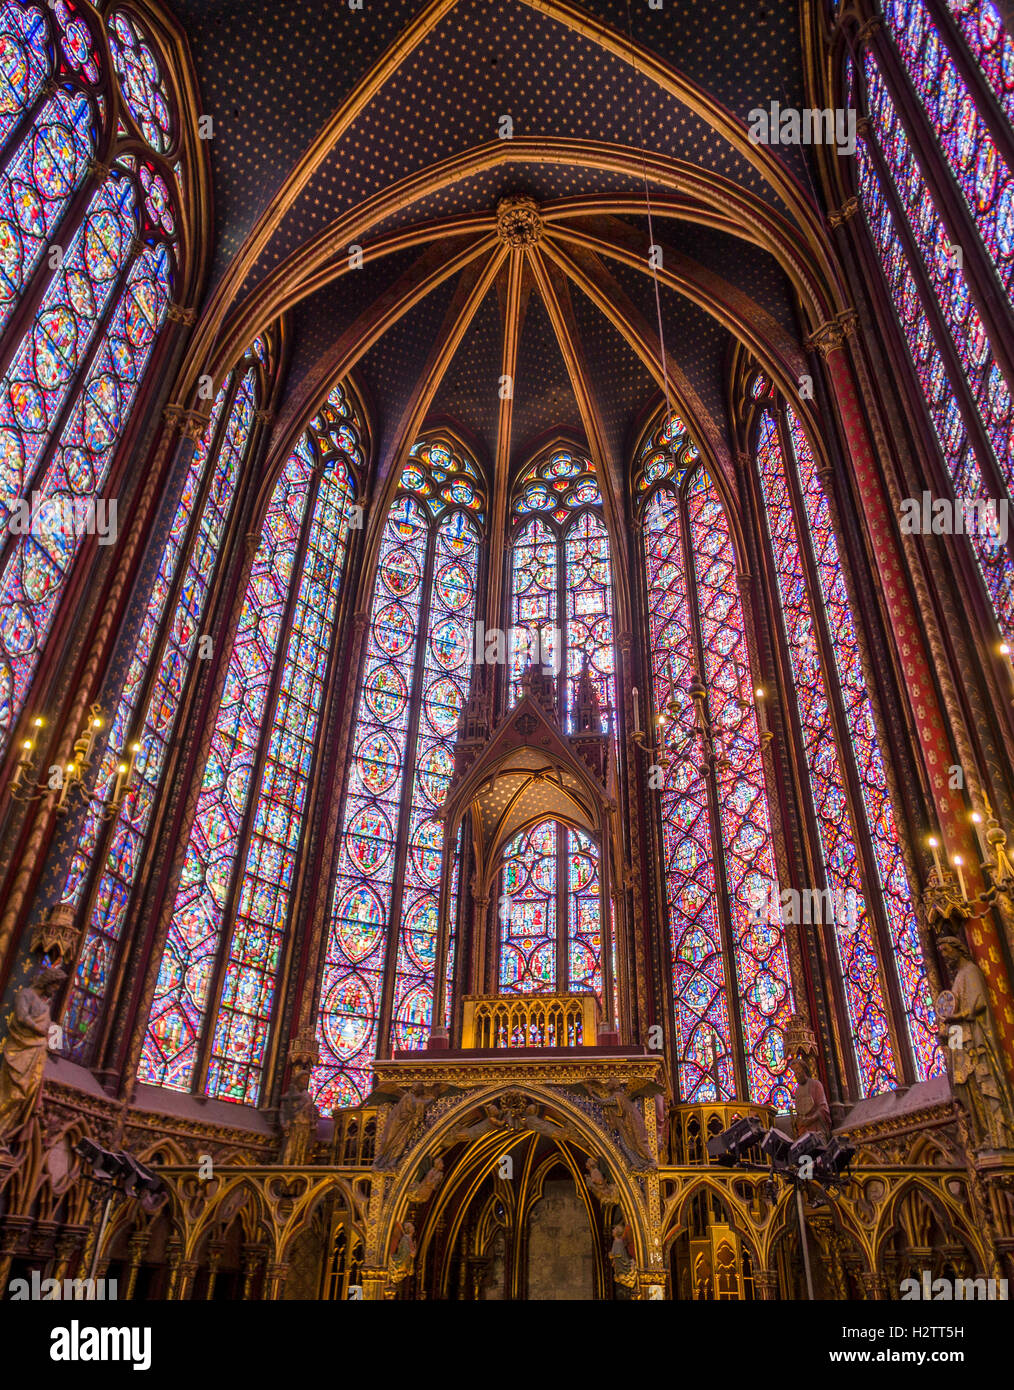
(551, 878)
(377, 984)
(149, 702)
(991, 45)
(979, 169)
(938, 279)
(729, 959)
(305, 534)
(897, 897)
(560, 567)
(550, 929)
(97, 293)
(803, 605)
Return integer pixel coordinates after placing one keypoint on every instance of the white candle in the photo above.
(934, 846)
(762, 714)
(1005, 652)
(980, 835)
(637, 712)
(961, 877)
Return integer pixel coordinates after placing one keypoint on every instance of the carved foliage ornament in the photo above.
(518, 222)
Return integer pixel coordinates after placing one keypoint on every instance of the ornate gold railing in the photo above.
(492, 1021)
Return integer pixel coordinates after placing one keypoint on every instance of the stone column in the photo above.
(253, 1262)
(374, 1284)
(136, 1246)
(174, 1251)
(274, 1280)
(765, 1281)
(188, 1273)
(215, 1252)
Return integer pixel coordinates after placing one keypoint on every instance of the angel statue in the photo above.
(627, 1116)
(407, 1109)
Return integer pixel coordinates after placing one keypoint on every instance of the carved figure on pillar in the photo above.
(968, 1036)
(603, 1191)
(23, 1060)
(403, 1258)
(297, 1117)
(813, 1114)
(621, 1257)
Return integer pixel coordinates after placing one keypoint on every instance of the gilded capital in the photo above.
(848, 209)
(828, 338)
(178, 313)
(190, 423)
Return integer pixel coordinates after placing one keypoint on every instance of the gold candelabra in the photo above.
(65, 779)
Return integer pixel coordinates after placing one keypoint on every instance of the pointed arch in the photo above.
(377, 985)
(213, 1009)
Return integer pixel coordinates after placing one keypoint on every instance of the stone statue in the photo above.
(424, 1189)
(630, 1123)
(621, 1257)
(813, 1114)
(403, 1259)
(968, 1036)
(297, 1117)
(603, 1191)
(401, 1120)
(495, 1117)
(23, 1060)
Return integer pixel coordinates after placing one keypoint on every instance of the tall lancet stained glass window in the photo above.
(109, 852)
(730, 971)
(872, 928)
(562, 618)
(88, 261)
(561, 580)
(906, 194)
(214, 1000)
(376, 991)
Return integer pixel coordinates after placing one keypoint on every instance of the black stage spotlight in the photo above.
(836, 1158)
(106, 1166)
(727, 1148)
(777, 1147)
(139, 1179)
(808, 1146)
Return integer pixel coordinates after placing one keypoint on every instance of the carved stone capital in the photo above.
(178, 313)
(848, 209)
(827, 338)
(190, 423)
(870, 27)
(251, 544)
(99, 171)
(264, 417)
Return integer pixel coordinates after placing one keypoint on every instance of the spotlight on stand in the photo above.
(809, 1146)
(728, 1147)
(140, 1181)
(835, 1160)
(777, 1147)
(106, 1167)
